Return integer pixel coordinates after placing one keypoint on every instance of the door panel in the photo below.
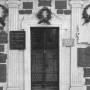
(44, 58)
(51, 39)
(37, 39)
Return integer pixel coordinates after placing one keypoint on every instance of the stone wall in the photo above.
(19, 61)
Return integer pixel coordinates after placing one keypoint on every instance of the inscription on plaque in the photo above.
(68, 42)
(86, 72)
(3, 37)
(27, 5)
(83, 56)
(62, 4)
(2, 73)
(25, 11)
(88, 88)
(3, 57)
(17, 40)
(87, 82)
(44, 2)
(1, 48)
(1, 88)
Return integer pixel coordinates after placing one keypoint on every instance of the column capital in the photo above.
(13, 4)
(2, 2)
(76, 3)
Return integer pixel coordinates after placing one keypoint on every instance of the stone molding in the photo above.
(13, 4)
(13, 88)
(76, 4)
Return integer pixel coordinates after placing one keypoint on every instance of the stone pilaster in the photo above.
(13, 15)
(15, 57)
(64, 61)
(76, 72)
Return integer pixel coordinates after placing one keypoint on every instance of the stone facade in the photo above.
(21, 18)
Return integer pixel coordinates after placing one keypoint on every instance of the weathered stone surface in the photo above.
(67, 12)
(60, 11)
(44, 2)
(1, 88)
(86, 72)
(87, 81)
(27, 5)
(88, 88)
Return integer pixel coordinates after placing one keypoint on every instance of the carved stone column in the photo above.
(15, 57)
(76, 72)
(13, 15)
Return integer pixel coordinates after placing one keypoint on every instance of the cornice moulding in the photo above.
(76, 3)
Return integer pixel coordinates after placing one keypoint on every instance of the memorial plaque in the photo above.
(88, 88)
(1, 48)
(1, 88)
(17, 40)
(3, 37)
(88, 50)
(44, 2)
(60, 11)
(2, 72)
(67, 12)
(61, 4)
(1, 28)
(25, 11)
(86, 72)
(27, 5)
(68, 42)
(87, 81)
(83, 56)
(3, 57)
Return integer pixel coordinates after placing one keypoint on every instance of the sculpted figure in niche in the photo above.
(84, 28)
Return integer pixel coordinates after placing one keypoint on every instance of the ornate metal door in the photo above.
(44, 58)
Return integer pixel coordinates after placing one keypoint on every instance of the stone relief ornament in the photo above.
(3, 15)
(44, 15)
(68, 42)
(86, 14)
(83, 34)
(83, 29)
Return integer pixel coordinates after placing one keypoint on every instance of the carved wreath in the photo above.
(85, 15)
(4, 14)
(44, 15)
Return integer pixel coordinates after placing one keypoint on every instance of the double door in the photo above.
(44, 58)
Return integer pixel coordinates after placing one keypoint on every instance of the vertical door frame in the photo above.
(27, 57)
